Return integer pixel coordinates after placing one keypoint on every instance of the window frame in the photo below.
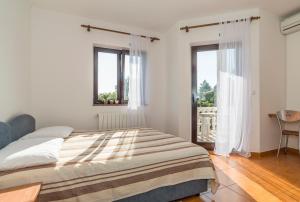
(194, 51)
(121, 53)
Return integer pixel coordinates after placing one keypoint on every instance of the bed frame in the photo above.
(170, 193)
(24, 124)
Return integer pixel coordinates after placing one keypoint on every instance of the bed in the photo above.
(139, 164)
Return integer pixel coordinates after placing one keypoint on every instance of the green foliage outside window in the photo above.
(207, 95)
(105, 97)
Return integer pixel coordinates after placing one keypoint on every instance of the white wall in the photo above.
(272, 78)
(14, 58)
(179, 71)
(292, 77)
(62, 70)
(173, 84)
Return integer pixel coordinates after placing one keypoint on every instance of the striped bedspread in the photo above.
(111, 165)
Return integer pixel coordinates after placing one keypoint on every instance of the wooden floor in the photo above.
(255, 179)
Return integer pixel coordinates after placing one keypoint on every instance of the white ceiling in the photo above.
(160, 14)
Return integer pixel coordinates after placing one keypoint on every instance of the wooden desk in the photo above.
(24, 193)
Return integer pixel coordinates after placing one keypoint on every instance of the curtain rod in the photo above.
(89, 27)
(187, 28)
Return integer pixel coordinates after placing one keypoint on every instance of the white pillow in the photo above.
(54, 131)
(30, 152)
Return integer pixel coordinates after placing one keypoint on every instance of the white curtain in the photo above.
(234, 90)
(136, 94)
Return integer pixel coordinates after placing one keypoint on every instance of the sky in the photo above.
(207, 67)
(107, 72)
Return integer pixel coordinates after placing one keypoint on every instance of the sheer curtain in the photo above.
(136, 94)
(234, 90)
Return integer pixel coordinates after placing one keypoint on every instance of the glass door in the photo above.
(204, 94)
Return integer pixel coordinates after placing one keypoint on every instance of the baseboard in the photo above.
(274, 152)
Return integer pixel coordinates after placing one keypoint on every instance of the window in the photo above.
(111, 76)
(204, 94)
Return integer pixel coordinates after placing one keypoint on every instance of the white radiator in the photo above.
(120, 120)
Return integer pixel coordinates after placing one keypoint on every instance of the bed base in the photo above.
(170, 193)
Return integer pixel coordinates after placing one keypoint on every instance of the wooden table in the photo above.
(24, 193)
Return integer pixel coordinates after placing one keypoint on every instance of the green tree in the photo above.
(210, 97)
(204, 87)
(207, 95)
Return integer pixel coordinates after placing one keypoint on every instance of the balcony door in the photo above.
(204, 94)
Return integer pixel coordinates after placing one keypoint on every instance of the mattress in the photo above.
(117, 165)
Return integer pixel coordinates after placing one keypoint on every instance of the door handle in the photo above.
(194, 98)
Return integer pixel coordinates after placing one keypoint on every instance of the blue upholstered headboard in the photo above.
(15, 129)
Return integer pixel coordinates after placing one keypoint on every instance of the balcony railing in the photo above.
(206, 124)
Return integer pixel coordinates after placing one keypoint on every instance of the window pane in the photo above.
(107, 76)
(126, 77)
(207, 78)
